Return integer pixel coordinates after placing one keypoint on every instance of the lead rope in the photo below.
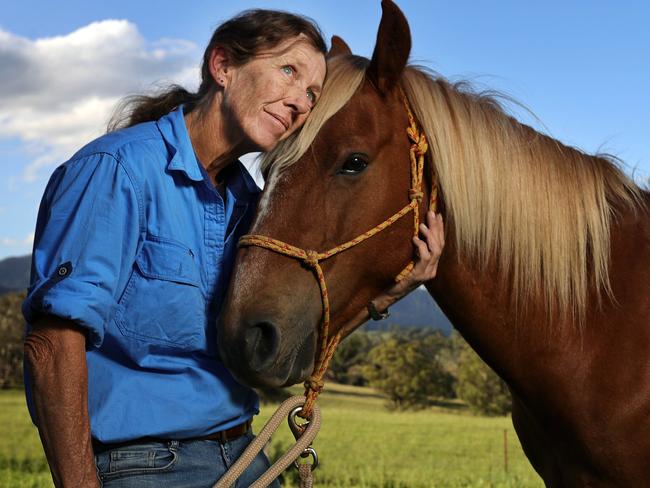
(327, 345)
(301, 446)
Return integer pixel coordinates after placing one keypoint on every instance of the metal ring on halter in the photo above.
(305, 453)
(296, 428)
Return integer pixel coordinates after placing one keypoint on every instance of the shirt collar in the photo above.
(173, 129)
(240, 183)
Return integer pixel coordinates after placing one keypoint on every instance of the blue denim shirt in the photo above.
(135, 245)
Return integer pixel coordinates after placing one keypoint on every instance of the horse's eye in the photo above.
(354, 164)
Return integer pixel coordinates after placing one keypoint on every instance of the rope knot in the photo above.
(314, 384)
(415, 195)
(311, 259)
(423, 146)
(413, 133)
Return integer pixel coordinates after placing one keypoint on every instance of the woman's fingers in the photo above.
(433, 232)
(421, 249)
(436, 228)
(427, 252)
(429, 248)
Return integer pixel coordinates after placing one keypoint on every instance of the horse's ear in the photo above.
(391, 50)
(339, 47)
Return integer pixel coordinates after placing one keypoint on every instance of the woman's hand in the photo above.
(428, 250)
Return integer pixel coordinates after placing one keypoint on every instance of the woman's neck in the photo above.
(214, 138)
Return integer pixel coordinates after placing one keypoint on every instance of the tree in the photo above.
(12, 331)
(351, 355)
(480, 387)
(406, 368)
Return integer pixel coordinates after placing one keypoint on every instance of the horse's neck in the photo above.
(530, 351)
(509, 340)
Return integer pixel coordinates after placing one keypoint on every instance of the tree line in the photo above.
(417, 368)
(12, 331)
(413, 368)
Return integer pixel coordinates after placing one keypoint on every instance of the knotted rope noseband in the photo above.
(312, 259)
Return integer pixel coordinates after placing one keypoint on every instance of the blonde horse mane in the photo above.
(538, 210)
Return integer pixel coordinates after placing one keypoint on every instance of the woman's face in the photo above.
(271, 96)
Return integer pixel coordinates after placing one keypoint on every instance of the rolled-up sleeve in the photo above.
(85, 243)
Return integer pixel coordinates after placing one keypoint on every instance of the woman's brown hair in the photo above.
(242, 37)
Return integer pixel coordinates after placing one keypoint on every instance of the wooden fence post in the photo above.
(505, 449)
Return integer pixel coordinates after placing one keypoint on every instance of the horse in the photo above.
(545, 273)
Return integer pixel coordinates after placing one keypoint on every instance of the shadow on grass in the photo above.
(454, 405)
(353, 393)
(278, 395)
(438, 403)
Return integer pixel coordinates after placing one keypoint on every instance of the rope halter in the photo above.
(312, 259)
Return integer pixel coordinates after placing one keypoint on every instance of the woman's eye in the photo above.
(287, 70)
(355, 164)
(311, 97)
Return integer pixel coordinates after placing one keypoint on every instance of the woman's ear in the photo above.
(219, 66)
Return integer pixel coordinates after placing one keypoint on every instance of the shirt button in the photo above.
(62, 271)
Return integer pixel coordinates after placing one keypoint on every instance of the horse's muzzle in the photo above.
(255, 357)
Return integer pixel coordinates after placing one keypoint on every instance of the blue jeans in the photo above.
(178, 464)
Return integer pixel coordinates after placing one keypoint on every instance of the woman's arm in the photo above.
(55, 355)
(428, 253)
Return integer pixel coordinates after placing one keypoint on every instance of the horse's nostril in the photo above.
(261, 345)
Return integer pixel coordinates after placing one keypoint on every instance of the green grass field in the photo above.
(361, 444)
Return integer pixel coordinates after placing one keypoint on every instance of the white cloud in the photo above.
(57, 93)
(11, 242)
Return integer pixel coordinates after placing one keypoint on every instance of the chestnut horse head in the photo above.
(329, 195)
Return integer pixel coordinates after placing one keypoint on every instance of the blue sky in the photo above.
(582, 67)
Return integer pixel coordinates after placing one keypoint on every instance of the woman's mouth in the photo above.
(279, 120)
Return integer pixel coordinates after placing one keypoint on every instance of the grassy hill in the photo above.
(361, 445)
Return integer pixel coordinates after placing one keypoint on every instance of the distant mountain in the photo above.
(417, 310)
(14, 273)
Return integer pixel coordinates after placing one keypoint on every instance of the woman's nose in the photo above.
(299, 102)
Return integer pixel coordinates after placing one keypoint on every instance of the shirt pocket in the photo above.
(163, 302)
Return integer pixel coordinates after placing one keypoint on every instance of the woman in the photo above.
(134, 245)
